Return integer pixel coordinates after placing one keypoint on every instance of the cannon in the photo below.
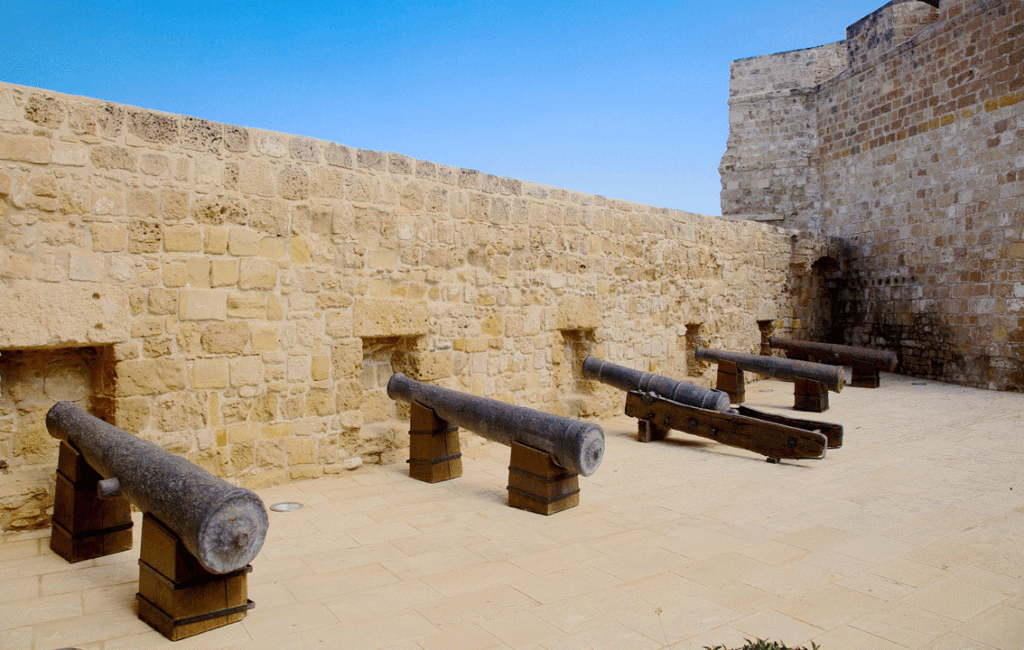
(548, 451)
(865, 362)
(628, 379)
(812, 380)
(787, 369)
(575, 445)
(223, 526)
(199, 532)
(660, 404)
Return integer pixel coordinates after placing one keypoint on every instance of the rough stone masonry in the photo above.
(903, 144)
(241, 297)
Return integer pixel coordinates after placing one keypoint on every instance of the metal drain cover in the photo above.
(286, 506)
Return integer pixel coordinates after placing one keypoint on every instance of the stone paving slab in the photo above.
(909, 536)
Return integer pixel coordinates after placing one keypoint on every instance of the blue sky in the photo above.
(622, 99)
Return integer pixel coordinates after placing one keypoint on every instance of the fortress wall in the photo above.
(918, 150)
(769, 170)
(921, 159)
(241, 297)
(876, 34)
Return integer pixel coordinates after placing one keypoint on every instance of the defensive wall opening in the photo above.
(828, 285)
(33, 380)
(578, 391)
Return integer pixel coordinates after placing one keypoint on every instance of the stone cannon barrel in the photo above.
(573, 444)
(837, 354)
(223, 526)
(678, 391)
(831, 377)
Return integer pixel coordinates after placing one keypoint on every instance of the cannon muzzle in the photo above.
(223, 526)
(573, 444)
(628, 379)
(831, 377)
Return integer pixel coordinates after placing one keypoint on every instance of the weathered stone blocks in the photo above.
(243, 242)
(201, 135)
(424, 366)
(268, 285)
(185, 238)
(912, 135)
(108, 238)
(80, 312)
(224, 273)
(265, 337)
(231, 338)
(258, 274)
(378, 318)
(338, 155)
(160, 128)
(219, 210)
(199, 304)
(209, 373)
(245, 371)
(24, 149)
(299, 250)
(24, 499)
(579, 314)
(293, 183)
(149, 377)
(45, 111)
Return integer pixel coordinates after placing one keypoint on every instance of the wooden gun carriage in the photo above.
(773, 436)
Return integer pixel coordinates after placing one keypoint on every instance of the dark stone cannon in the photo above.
(812, 380)
(628, 379)
(661, 404)
(865, 362)
(787, 369)
(574, 445)
(837, 354)
(221, 525)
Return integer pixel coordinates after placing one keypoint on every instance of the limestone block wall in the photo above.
(241, 297)
(877, 33)
(769, 170)
(918, 150)
(922, 158)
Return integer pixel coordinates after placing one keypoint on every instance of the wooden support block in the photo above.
(730, 380)
(177, 596)
(537, 484)
(163, 550)
(865, 375)
(177, 629)
(434, 452)
(810, 396)
(84, 525)
(74, 467)
(648, 431)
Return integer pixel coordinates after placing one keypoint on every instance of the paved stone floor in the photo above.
(909, 536)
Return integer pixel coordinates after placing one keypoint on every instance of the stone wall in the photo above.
(875, 35)
(769, 170)
(919, 150)
(241, 297)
